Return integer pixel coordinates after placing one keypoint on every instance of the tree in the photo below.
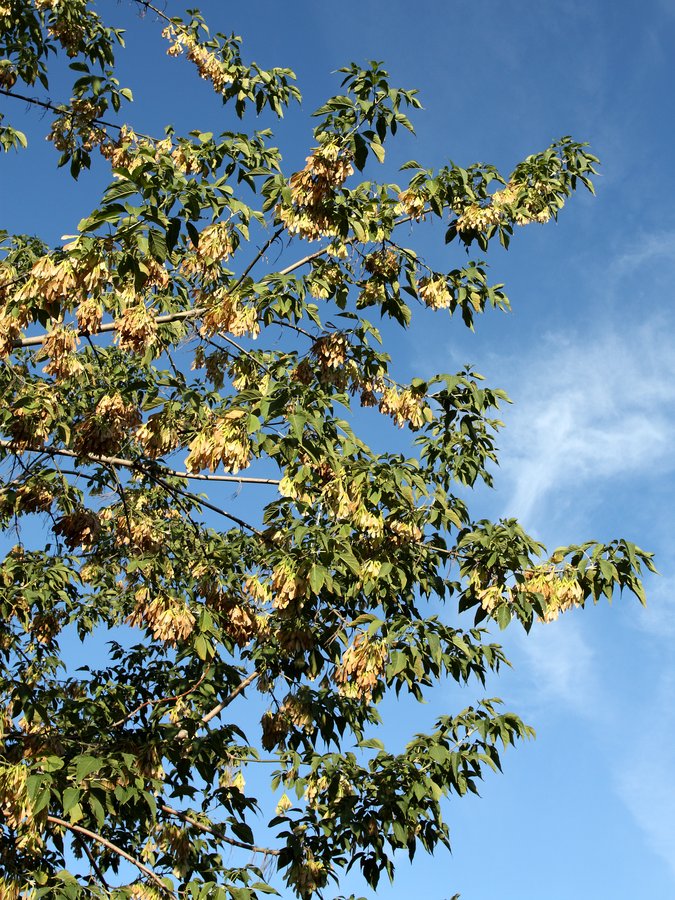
(159, 353)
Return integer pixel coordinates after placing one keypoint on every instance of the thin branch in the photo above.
(196, 311)
(92, 861)
(235, 693)
(62, 109)
(129, 464)
(268, 851)
(158, 12)
(78, 829)
(202, 502)
(259, 255)
(221, 706)
(233, 343)
(141, 706)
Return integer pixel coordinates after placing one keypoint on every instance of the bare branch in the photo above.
(226, 702)
(197, 311)
(92, 861)
(185, 817)
(78, 829)
(202, 502)
(158, 12)
(129, 464)
(141, 706)
(62, 109)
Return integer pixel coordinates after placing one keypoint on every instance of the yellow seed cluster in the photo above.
(383, 264)
(434, 292)
(371, 524)
(240, 623)
(405, 407)
(10, 331)
(50, 278)
(176, 842)
(522, 203)
(31, 427)
(373, 293)
(157, 436)
(259, 591)
(59, 348)
(67, 33)
(403, 532)
(295, 640)
(53, 281)
(326, 169)
(210, 68)
(560, 590)
(224, 441)
(77, 126)
(412, 203)
(492, 596)
(139, 891)
(136, 328)
(122, 153)
(215, 243)
(79, 528)
(361, 668)
(107, 427)
(330, 353)
(283, 805)
(287, 586)
(168, 617)
(331, 275)
(187, 162)
(226, 312)
(89, 316)
(34, 496)
(15, 807)
(274, 730)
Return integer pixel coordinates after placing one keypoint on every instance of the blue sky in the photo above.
(587, 355)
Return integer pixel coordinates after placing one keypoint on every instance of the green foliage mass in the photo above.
(133, 389)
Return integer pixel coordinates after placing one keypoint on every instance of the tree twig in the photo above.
(92, 861)
(129, 464)
(185, 817)
(62, 109)
(206, 718)
(141, 706)
(78, 829)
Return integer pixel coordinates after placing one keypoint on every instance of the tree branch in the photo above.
(78, 829)
(129, 464)
(92, 861)
(197, 311)
(141, 706)
(206, 718)
(202, 502)
(62, 109)
(185, 817)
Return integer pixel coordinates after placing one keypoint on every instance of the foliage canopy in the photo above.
(158, 354)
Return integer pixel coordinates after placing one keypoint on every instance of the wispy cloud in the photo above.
(591, 407)
(556, 667)
(644, 772)
(600, 403)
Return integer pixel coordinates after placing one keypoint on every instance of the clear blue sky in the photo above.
(588, 809)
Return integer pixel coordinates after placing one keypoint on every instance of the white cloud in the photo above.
(592, 408)
(657, 620)
(556, 667)
(644, 775)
